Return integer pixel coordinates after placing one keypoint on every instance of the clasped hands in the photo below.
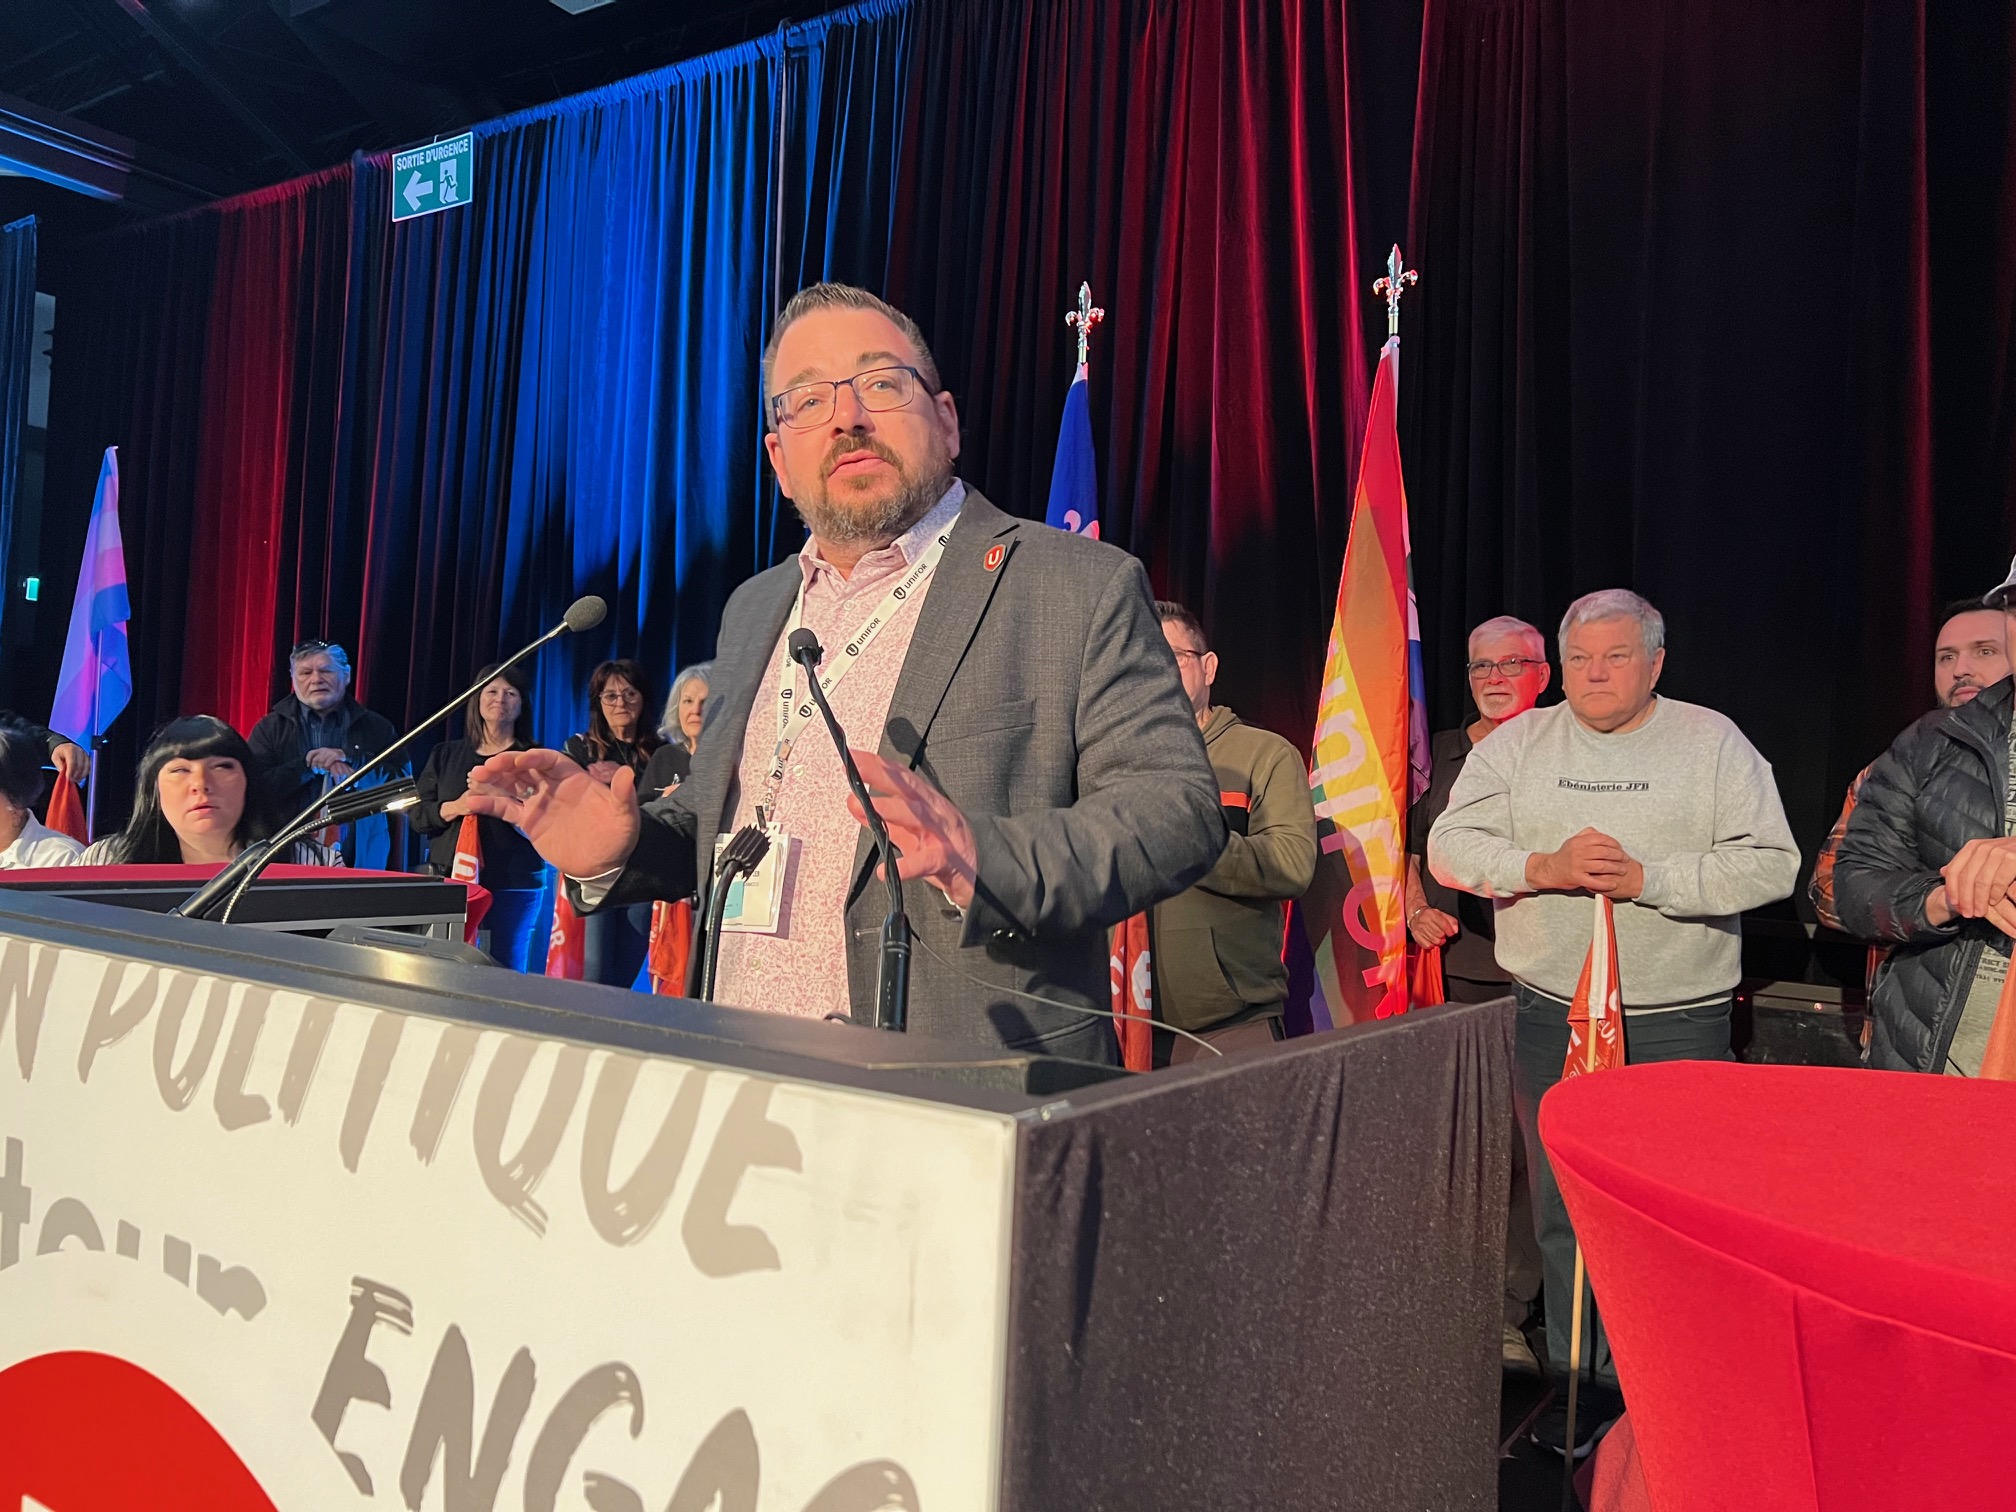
(1588, 860)
(588, 827)
(1977, 884)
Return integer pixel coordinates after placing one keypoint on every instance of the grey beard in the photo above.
(881, 522)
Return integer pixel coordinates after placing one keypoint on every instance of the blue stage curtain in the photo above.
(17, 338)
(565, 394)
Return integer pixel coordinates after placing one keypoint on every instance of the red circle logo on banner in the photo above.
(90, 1433)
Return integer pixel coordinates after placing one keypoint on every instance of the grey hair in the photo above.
(840, 296)
(668, 722)
(330, 649)
(1616, 603)
(1507, 624)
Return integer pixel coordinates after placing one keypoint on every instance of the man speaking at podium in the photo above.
(1038, 764)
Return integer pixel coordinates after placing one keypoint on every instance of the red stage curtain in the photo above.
(1193, 161)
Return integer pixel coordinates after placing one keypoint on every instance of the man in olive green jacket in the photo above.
(1217, 946)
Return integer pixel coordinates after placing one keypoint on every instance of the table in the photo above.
(1809, 1279)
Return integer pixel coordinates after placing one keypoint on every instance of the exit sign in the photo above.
(439, 176)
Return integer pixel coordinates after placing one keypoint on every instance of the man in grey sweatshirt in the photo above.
(1665, 807)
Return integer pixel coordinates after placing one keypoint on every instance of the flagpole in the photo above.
(91, 766)
(1574, 1382)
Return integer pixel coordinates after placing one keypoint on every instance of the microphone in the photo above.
(584, 613)
(386, 798)
(743, 853)
(892, 987)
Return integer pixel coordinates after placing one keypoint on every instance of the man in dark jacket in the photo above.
(1217, 946)
(1926, 866)
(316, 736)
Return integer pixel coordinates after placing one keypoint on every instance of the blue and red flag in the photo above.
(1369, 759)
(1074, 477)
(97, 678)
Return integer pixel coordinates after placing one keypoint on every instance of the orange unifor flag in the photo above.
(671, 946)
(1133, 983)
(1596, 1017)
(468, 866)
(566, 950)
(66, 810)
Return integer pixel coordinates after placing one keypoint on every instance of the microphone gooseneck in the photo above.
(892, 990)
(583, 614)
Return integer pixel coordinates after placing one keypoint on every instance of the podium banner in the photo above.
(370, 1255)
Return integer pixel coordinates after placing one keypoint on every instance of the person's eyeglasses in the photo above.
(622, 696)
(878, 389)
(1181, 651)
(1510, 667)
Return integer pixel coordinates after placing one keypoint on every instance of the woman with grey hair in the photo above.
(680, 725)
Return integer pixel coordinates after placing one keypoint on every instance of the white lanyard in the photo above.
(793, 716)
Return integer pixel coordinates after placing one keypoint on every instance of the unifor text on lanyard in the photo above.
(794, 713)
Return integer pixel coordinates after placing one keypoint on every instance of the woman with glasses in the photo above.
(497, 718)
(199, 800)
(619, 735)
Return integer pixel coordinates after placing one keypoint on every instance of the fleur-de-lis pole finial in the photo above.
(1399, 278)
(1086, 316)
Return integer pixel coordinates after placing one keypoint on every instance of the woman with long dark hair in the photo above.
(619, 734)
(199, 800)
(497, 717)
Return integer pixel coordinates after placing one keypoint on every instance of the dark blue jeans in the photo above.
(511, 923)
(1539, 1050)
(614, 944)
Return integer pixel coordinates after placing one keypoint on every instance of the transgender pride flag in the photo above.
(1370, 756)
(97, 678)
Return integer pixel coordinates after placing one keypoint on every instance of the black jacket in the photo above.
(509, 862)
(1939, 785)
(280, 741)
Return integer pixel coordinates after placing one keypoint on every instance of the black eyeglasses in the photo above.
(878, 389)
(1510, 667)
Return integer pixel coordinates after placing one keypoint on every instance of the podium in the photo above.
(317, 1225)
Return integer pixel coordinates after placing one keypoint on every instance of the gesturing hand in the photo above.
(1589, 860)
(933, 838)
(1979, 880)
(582, 826)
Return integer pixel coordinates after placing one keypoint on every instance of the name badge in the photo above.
(755, 903)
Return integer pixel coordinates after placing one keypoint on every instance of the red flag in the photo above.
(1424, 976)
(566, 951)
(468, 865)
(1133, 982)
(1596, 1017)
(671, 946)
(66, 810)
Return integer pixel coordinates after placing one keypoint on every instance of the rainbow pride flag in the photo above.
(1370, 754)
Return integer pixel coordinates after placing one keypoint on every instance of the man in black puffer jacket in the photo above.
(1924, 867)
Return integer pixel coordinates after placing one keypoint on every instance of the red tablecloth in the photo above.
(1809, 1279)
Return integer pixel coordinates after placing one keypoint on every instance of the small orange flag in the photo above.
(1132, 979)
(1596, 1017)
(1998, 1061)
(468, 865)
(566, 951)
(66, 810)
(671, 946)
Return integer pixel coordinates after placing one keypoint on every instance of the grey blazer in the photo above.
(1042, 699)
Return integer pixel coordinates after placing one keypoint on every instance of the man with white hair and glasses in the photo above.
(1664, 807)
